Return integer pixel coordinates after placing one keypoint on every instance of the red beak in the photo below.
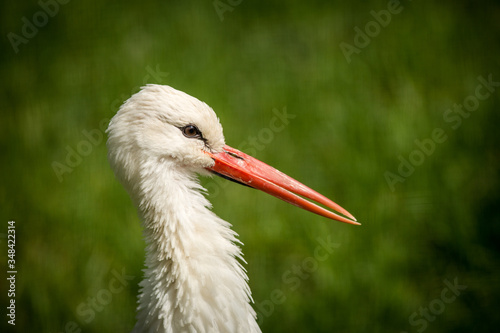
(246, 170)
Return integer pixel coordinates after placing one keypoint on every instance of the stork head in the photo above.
(161, 124)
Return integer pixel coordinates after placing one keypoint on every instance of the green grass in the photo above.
(352, 121)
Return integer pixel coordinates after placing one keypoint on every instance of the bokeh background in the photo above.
(353, 117)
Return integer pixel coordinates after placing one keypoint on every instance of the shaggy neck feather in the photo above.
(192, 273)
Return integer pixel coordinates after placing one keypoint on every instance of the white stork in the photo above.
(159, 140)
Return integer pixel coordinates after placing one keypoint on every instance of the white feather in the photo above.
(194, 281)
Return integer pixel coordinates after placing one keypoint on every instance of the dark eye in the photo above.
(191, 131)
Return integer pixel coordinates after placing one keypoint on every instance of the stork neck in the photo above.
(170, 199)
(192, 274)
(175, 215)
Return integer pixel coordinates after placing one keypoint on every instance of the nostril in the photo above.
(234, 155)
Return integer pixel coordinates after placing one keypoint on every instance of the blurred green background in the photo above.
(356, 117)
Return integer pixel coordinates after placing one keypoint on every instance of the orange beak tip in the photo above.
(351, 221)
